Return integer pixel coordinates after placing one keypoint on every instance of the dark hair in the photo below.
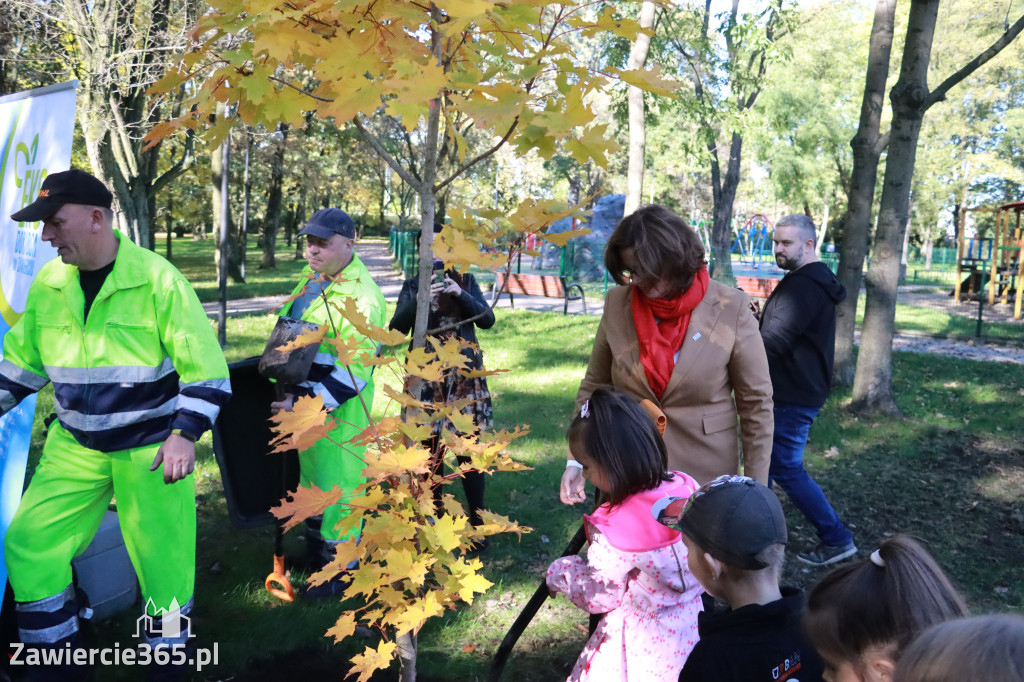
(622, 439)
(989, 648)
(664, 247)
(863, 605)
(446, 303)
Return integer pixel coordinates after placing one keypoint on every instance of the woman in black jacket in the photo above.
(457, 306)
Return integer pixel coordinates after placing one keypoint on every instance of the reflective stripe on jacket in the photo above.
(145, 362)
(329, 378)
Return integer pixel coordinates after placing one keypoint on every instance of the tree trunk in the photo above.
(272, 220)
(904, 260)
(216, 178)
(872, 384)
(115, 112)
(910, 98)
(724, 192)
(637, 126)
(929, 247)
(169, 219)
(243, 237)
(866, 149)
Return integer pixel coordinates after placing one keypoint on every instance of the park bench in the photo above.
(757, 287)
(550, 286)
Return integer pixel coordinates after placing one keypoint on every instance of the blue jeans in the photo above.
(792, 423)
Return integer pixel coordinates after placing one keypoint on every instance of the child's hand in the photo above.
(572, 489)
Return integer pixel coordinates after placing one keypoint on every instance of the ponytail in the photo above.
(880, 602)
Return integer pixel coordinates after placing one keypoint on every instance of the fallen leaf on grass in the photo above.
(468, 648)
(832, 452)
(582, 628)
(971, 506)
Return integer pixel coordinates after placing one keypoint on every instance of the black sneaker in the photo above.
(824, 555)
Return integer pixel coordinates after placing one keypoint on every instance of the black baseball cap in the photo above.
(734, 518)
(328, 222)
(66, 187)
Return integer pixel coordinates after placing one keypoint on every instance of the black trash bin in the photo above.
(254, 479)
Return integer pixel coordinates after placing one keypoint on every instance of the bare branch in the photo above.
(372, 140)
(939, 93)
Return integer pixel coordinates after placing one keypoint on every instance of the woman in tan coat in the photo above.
(691, 345)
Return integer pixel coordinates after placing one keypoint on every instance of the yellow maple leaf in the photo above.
(302, 426)
(462, 422)
(458, 249)
(502, 524)
(399, 562)
(592, 144)
(445, 532)
(466, 580)
(366, 579)
(415, 613)
(343, 554)
(384, 429)
(533, 215)
(387, 337)
(344, 627)
(431, 371)
(304, 503)
(470, 584)
(368, 359)
(649, 80)
(309, 338)
(450, 352)
(473, 374)
(463, 12)
(372, 660)
(415, 432)
(395, 462)
(400, 397)
(560, 239)
(346, 349)
(418, 572)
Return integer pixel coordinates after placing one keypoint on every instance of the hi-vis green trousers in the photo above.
(59, 515)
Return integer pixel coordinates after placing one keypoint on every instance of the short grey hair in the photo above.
(800, 222)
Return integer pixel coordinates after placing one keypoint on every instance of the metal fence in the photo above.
(925, 305)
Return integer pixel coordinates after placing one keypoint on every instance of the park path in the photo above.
(378, 260)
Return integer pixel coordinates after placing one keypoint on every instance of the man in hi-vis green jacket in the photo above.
(138, 376)
(334, 274)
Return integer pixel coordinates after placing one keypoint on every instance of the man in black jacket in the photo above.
(798, 326)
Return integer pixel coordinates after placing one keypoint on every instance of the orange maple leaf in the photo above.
(304, 503)
(302, 426)
(386, 337)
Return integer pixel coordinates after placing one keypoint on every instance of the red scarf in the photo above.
(659, 341)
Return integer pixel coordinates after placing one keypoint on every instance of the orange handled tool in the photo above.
(656, 414)
(278, 578)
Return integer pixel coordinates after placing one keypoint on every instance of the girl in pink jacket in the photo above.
(636, 570)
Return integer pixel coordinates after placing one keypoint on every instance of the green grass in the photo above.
(195, 259)
(921, 320)
(951, 473)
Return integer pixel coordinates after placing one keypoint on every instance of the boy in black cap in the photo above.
(735, 534)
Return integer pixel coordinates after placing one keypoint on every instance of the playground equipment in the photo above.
(992, 263)
(754, 240)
